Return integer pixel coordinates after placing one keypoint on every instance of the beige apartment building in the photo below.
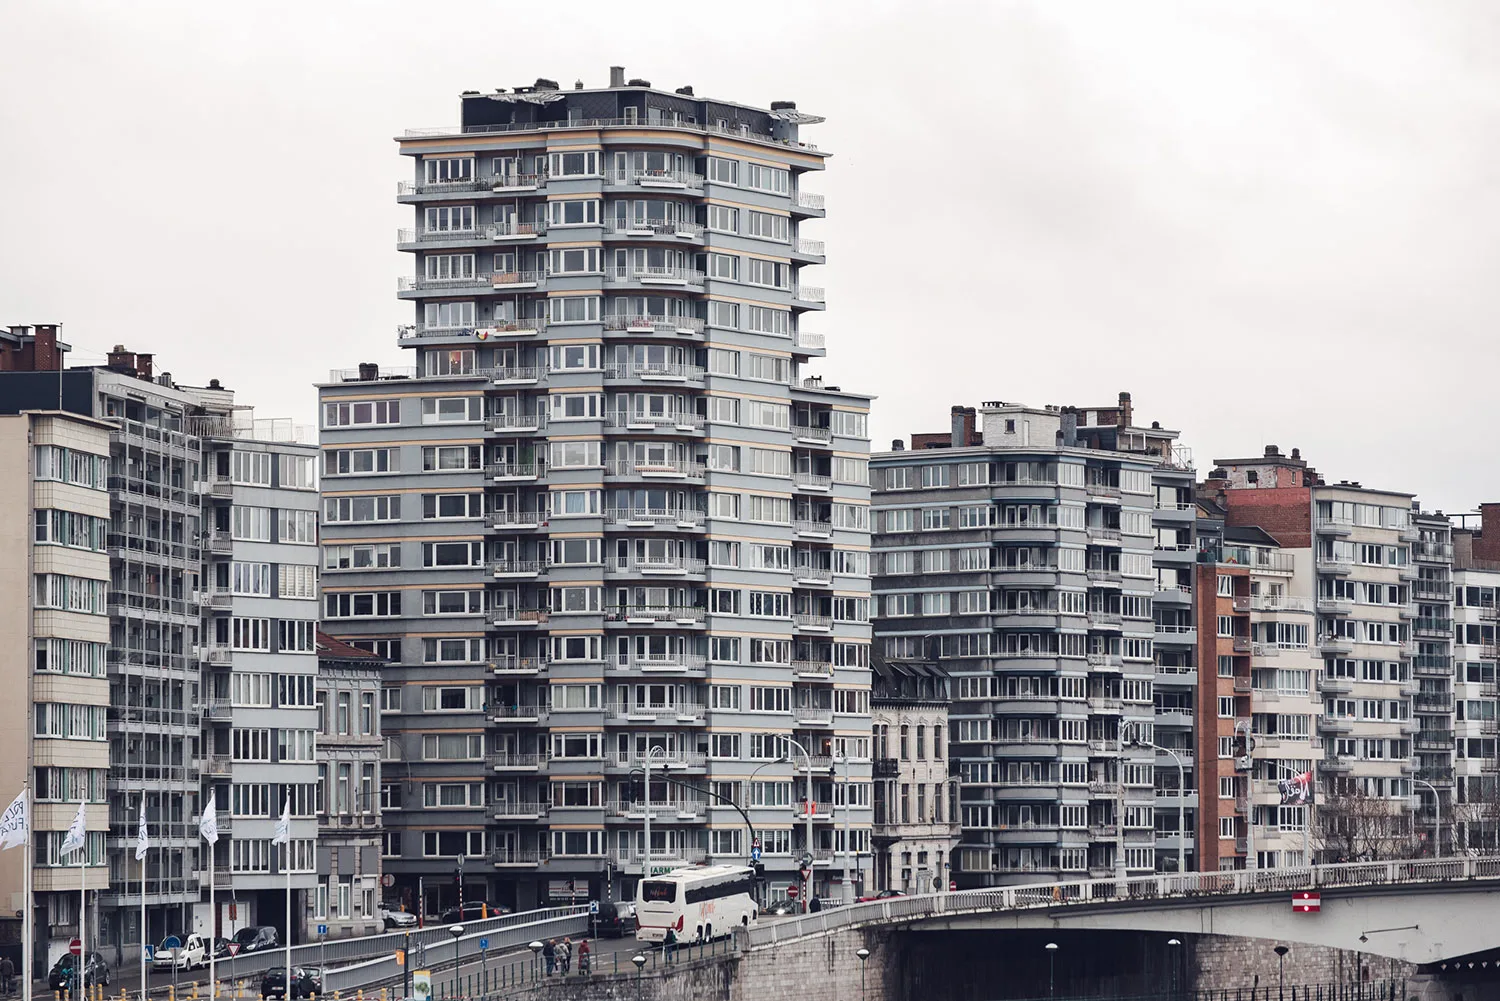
(52, 650)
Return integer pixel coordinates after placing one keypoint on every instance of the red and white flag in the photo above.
(1307, 902)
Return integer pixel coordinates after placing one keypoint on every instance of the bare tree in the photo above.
(1472, 825)
(1349, 826)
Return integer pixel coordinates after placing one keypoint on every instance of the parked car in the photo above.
(221, 948)
(882, 895)
(64, 974)
(181, 953)
(255, 939)
(616, 918)
(782, 907)
(473, 912)
(397, 918)
(306, 981)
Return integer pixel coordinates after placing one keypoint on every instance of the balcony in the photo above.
(1103, 490)
(671, 422)
(675, 469)
(650, 614)
(808, 200)
(807, 248)
(516, 568)
(522, 857)
(807, 293)
(812, 575)
(1335, 606)
(661, 372)
(516, 714)
(1098, 661)
(808, 622)
(516, 422)
(631, 761)
(510, 762)
(1335, 645)
(1329, 563)
(1175, 634)
(217, 710)
(1272, 603)
(663, 566)
(812, 481)
(1099, 533)
(1334, 724)
(515, 809)
(641, 517)
(671, 664)
(679, 229)
(1095, 576)
(812, 716)
(1433, 740)
(813, 670)
(1431, 627)
(1105, 620)
(515, 375)
(1428, 665)
(516, 520)
(675, 180)
(514, 471)
(517, 666)
(511, 616)
(668, 275)
(1333, 526)
(886, 768)
(683, 712)
(1433, 702)
(1334, 686)
(809, 342)
(808, 433)
(649, 323)
(817, 529)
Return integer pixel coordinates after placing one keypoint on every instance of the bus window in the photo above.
(659, 891)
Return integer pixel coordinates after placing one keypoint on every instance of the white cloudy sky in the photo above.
(1271, 222)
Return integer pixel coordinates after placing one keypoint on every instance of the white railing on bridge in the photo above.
(1160, 887)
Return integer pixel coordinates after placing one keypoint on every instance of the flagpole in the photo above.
(286, 864)
(143, 895)
(83, 912)
(213, 924)
(27, 958)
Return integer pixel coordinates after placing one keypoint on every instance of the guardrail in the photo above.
(1088, 891)
(438, 948)
(377, 949)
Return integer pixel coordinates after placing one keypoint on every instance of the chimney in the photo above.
(897, 445)
(1273, 451)
(121, 359)
(143, 367)
(617, 76)
(1127, 412)
(368, 371)
(44, 354)
(961, 426)
(1487, 543)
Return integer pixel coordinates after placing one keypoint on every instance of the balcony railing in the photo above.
(653, 517)
(504, 760)
(652, 323)
(812, 481)
(653, 227)
(668, 664)
(808, 248)
(515, 373)
(677, 371)
(685, 468)
(655, 178)
(807, 527)
(664, 275)
(654, 613)
(808, 293)
(681, 421)
(813, 342)
(516, 422)
(659, 565)
(809, 200)
(680, 711)
(806, 620)
(514, 470)
(807, 432)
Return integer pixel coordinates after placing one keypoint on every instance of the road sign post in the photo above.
(484, 969)
(322, 949)
(594, 918)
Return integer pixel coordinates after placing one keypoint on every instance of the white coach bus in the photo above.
(696, 903)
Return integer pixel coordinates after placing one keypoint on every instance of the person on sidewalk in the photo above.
(566, 955)
(584, 955)
(549, 953)
(7, 975)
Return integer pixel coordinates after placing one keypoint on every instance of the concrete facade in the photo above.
(607, 514)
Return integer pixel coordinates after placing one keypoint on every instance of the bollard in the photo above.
(361, 994)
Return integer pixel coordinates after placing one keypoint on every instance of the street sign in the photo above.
(755, 844)
(74, 947)
(806, 861)
(387, 881)
(593, 907)
(1307, 902)
(322, 929)
(952, 885)
(484, 944)
(400, 957)
(755, 852)
(791, 892)
(234, 948)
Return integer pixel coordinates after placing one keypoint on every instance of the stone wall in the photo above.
(1223, 962)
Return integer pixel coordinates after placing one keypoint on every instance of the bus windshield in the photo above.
(659, 891)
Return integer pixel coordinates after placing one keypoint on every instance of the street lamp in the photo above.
(646, 766)
(457, 931)
(639, 962)
(1281, 952)
(864, 955)
(1437, 818)
(807, 758)
(1051, 969)
(1173, 944)
(406, 961)
(536, 948)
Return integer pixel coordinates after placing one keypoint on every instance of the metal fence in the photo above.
(439, 948)
(1368, 990)
(1085, 891)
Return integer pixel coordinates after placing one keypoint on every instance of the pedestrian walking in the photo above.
(549, 953)
(7, 975)
(567, 955)
(584, 955)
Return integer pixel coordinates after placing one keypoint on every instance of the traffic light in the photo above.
(635, 790)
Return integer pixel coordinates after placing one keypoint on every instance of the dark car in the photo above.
(306, 981)
(256, 939)
(616, 919)
(473, 912)
(221, 948)
(781, 907)
(64, 975)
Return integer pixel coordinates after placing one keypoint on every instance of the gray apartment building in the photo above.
(607, 518)
(1044, 556)
(212, 607)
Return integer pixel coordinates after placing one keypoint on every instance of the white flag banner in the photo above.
(284, 825)
(208, 824)
(140, 834)
(77, 833)
(15, 825)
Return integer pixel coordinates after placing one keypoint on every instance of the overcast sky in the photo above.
(1271, 222)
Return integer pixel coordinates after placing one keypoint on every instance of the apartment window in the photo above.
(723, 171)
(723, 219)
(1226, 707)
(359, 414)
(449, 218)
(451, 409)
(297, 527)
(250, 468)
(1226, 625)
(1226, 827)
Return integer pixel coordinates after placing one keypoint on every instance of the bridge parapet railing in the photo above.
(1066, 892)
